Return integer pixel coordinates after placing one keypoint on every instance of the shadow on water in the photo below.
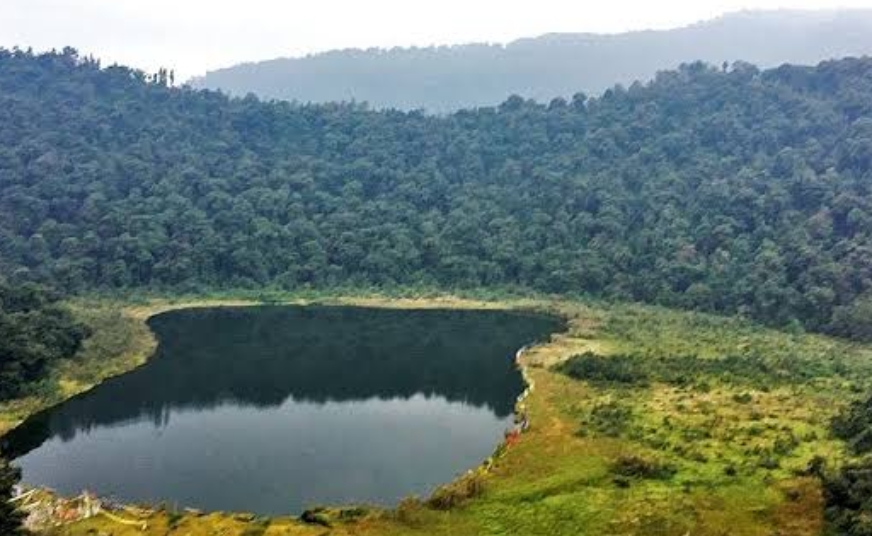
(276, 359)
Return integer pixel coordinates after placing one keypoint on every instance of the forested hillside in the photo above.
(34, 333)
(735, 191)
(448, 78)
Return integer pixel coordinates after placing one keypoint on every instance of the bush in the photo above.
(610, 419)
(639, 467)
(743, 398)
(846, 496)
(750, 369)
(316, 516)
(854, 425)
(353, 513)
(174, 517)
(600, 369)
(452, 495)
(770, 462)
(10, 517)
(408, 512)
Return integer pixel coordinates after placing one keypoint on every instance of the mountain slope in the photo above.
(737, 192)
(444, 79)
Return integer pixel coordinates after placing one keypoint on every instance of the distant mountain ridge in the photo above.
(447, 78)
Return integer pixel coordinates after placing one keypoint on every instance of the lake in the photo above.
(275, 409)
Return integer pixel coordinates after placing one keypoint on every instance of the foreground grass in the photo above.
(718, 451)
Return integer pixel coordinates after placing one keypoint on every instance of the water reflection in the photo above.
(293, 405)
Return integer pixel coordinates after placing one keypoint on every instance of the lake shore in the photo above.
(132, 346)
(139, 344)
(718, 486)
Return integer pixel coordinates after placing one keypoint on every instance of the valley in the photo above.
(643, 312)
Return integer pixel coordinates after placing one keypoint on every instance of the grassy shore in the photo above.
(120, 342)
(721, 448)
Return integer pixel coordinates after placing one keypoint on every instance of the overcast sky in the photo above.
(193, 36)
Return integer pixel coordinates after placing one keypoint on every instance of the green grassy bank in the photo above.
(668, 423)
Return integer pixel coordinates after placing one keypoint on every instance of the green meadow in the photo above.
(643, 420)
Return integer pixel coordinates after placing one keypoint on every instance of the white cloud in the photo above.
(195, 35)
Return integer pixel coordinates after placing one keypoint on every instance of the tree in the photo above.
(34, 333)
(739, 192)
(10, 517)
(854, 320)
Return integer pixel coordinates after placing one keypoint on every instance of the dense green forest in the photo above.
(10, 517)
(729, 190)
(34, 332)
(447, 78)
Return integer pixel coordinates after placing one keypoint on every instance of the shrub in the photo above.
(743, 398)
(452, 495)
(174, 517)
(854, 425)
(639, 467)
(770, 462)
(816, 466)
(315, 516)
(749, 368)
(785, 444)
(10, 517)
(846, 496)
(352, 513)
(408, 511)
(610, 419)
(600, 369)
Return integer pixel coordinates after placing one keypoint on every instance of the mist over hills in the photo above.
(447, 78)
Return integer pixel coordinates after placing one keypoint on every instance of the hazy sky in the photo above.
(193, 36)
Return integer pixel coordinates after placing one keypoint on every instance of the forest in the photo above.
(722, 189)
(34, 333)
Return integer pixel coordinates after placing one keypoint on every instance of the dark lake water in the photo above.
(275, 409)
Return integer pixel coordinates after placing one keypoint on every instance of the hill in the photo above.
(737, 191)
(448, 78)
